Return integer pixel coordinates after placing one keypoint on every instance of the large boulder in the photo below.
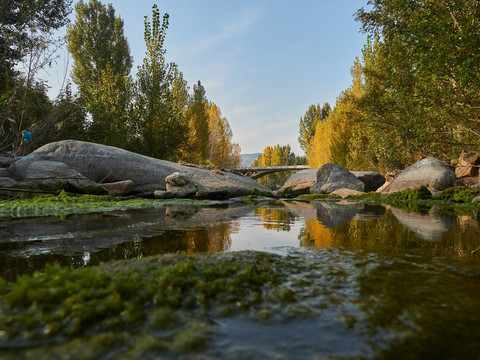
(53, 175)
(371, 179)
(429, 172)
(101, 163)
(331, 177)
(300, 182)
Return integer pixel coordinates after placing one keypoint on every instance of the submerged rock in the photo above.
(101, 163)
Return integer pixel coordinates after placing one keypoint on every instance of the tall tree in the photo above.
(198, 138)
(222, 151)
(308, 122)
(161, 95)
(102, 62)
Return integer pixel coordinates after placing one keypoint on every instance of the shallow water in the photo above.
(378, 282)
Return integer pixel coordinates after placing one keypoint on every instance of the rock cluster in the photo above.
(334, 179)
(85, 167)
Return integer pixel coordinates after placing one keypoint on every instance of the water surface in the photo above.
(377, 282)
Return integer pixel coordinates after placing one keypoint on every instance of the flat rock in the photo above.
(101, 163)
(119, 188)
(331, 177)
(429, 172)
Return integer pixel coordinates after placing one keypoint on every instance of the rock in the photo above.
(5, 161)
(212, 195)
(385, 188)
(476, 199)
(181, 185)
(101, 163)
(331, 177)
(346, 192)
(54, 175)
(371, 179)
(300, 182)
(164, 195)
(430, 172)
(119, 188)
(468, 164)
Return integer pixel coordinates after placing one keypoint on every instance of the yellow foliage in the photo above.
(316, 234)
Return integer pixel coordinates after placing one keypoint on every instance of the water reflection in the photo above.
(430, 226)
(80, 240)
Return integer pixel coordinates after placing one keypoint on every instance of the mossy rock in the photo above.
(459, 194)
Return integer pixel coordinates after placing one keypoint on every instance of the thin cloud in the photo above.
(237, 25)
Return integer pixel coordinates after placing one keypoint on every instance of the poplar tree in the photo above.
(160, 94)
(308, 123)
(101, 68)
(198, 135)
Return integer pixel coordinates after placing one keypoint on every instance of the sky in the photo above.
(263, 62)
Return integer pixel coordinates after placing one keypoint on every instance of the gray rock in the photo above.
(331, 177)
(119, 188)
(101, 163)
(5, 161)
(300, 182)
(429, 172)
(181, 185)
(178, 179)
(476, 199)
(371, 179)
(53, 175)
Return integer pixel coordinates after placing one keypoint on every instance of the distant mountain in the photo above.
(248, 159)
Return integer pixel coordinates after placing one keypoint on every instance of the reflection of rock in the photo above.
(431, 226)
(330, 214)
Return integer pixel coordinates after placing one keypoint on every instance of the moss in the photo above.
(313, 197)
(286, 194)
(459, 194)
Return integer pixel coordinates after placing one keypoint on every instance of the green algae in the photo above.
(67, 203)
(158, 305)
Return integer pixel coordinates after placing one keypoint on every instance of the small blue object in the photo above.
(27, 136)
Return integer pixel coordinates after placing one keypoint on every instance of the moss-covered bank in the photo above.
(163, 304)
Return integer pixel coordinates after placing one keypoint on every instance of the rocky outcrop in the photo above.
(371, 179)
(468, 164)
(181, 185)
(429, 172)
(101, 163)
(300, 182)
(331, 177)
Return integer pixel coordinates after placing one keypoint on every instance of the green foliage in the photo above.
(101, 68)
(197, 147)
(160, 95)
(308, 123)
(459, 194)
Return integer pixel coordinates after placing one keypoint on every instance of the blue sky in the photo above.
(263, 62)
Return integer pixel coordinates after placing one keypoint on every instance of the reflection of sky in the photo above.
(252, 235)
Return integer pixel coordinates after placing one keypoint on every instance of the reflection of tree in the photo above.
(315, 234)
(276, 219)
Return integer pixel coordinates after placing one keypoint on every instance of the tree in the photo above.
(161, 95)
(277, 156)
(308, 123)
(20, 24)
(101, 68)
(222, 151)
(198, 145)
(26, 31)
(429, 66)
